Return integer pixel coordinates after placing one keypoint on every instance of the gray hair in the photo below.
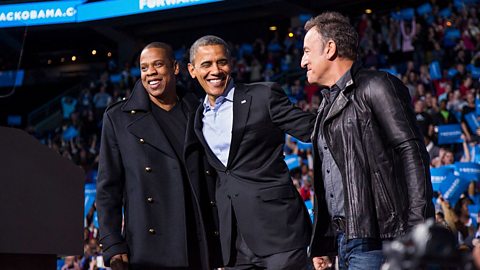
(206, 41)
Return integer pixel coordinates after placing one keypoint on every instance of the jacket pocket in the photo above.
(383, 200)
(278, 192)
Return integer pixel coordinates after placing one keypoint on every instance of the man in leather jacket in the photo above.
(372, 179)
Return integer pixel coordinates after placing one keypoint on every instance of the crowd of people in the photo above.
(408, 47)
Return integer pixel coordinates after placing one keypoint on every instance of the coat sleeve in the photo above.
(287, 117)
(110, 188)
(391, 107)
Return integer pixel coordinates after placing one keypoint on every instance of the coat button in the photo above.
(133, 112)
(212, 203)
(148, 169)
(150, 199)
(142, 140)
(216, 233)
(207, 172)
(151, 231)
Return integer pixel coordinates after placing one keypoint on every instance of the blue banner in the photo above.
(477, 107)
(435, 71)
(453, 187)
(57, 12)
(472, 122)
(309, 206)
(452, 33)
(424, 9)
(445, 13)
(390, 70)
(438, 175)
(468, 170)
(90, 193)
(475, 71)
(452, 72)
(293, 161)
(449, 134)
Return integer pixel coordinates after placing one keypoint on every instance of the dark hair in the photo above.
(161, 45)
(206, 41)
(335, 26)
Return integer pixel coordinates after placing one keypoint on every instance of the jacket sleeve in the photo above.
(287, 117)
(391, 107)
(110, 185)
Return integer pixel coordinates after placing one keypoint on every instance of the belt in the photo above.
(338, 224)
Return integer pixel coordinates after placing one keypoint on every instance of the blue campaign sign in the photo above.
(292, 161)
(407, 13)
(469, 170)
(472, 121)
(445, 13)
(477, 107)
(435, 71)
(301, 145)
(309, 205)
(473, 210)
(438, 175)
(475, 71)
(390, 70)
(452, 33)
(452, 72)
(424, 9)
(449, 134)
(11, 78)
(453, 187)
(90, 193)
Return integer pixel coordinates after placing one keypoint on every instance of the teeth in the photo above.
(153, 82)
(215, 81)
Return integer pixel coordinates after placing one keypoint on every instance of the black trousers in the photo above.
(244, 259)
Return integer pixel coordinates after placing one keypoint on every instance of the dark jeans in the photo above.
(359, 254)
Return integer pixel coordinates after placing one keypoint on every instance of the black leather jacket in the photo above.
(384, 164)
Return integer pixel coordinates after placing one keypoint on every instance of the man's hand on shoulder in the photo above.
(119, 262)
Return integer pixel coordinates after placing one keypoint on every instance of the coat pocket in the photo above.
(278, 192)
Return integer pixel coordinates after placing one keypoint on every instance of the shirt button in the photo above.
(142, 141)
(150, 199)
(207, 172)
(325, 147)
(212, 203)
(331, 195)
(328, 171)
(151, 231)
(148, 169)
(133, 112)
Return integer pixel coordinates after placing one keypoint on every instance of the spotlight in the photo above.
(109, 54)
(273, 28)
(368, 11)
(94, 52)
(74, 58)
(290, 34)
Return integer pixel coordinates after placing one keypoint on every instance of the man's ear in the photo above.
(191, 70)
(331, 49)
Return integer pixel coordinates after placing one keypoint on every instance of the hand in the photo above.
(119, 262)
(321, 263)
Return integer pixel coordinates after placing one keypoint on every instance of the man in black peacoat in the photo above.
(161, 189)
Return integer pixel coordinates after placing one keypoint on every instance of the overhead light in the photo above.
(368, 11)
(290, 34)
(74, 58)
(94, 52)
(109, 54)
(273, 28)
(449, 23)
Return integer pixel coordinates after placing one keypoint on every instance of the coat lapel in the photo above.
(340, 102)
(144, 126)
(241, 108)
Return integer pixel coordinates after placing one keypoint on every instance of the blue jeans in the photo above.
(359, 254)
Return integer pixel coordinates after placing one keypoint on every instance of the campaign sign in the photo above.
(473, 210)
(445, 13)
(301, 145)
(472, 121)
(309, 206)
(475, 71)
(435, 71)
(453, 187)
(407, 13)
(449, 134)
(468, 170)
(424, 9)
(292, 161)
(438, 175)
(90, 193)
(390, 70)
